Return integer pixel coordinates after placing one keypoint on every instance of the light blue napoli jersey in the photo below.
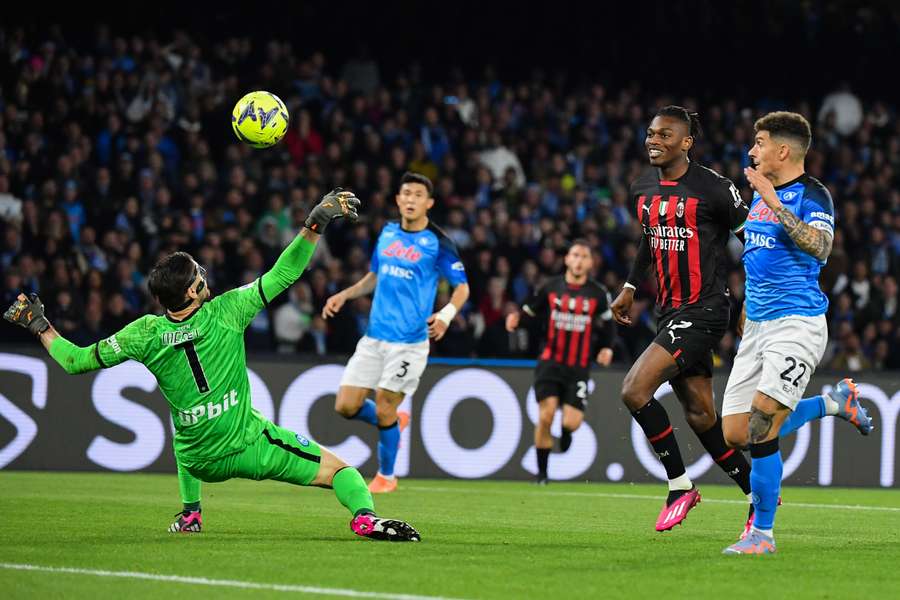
(408, 265)
(782, 279)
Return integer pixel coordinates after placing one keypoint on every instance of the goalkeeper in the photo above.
(196, 352)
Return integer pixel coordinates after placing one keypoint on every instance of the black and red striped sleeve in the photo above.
(536, 305)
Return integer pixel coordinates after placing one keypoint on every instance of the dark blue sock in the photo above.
(765, 482)
(367, 412)
(805, 411)
(388, 442)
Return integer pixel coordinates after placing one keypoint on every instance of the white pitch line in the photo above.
(229, 583)
(645, 497)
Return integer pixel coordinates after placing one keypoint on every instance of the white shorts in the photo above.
(386, 365)
(777, 358)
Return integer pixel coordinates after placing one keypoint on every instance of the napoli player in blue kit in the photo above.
(409, 259)
(787, 239)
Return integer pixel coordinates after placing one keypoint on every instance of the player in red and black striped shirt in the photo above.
(576, 311)
(687, 213)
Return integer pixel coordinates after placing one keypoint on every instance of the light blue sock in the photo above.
(388, 443)
(367, 412)
(805, 411)
(765, 482)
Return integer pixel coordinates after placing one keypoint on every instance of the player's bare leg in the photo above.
(349, 400)
(841, 401)
(350, 489)
(767, 415)
(572, 420)
(736, 429)
(651, 369)
(389, 426)
(696, 396)
(543, 440)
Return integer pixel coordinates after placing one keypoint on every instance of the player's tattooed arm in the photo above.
(815, 242)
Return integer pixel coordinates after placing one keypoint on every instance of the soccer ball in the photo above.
(260, 119)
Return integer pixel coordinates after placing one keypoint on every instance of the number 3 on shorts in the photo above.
(404, 367)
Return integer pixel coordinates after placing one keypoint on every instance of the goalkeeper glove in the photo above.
(336, 204)
(28, 312)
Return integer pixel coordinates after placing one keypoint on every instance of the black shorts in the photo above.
(568, 384)
(692, 333)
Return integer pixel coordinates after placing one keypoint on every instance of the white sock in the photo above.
(388, 477)
(750, 498)
(682, 482)
(765, 532)
(831, 407)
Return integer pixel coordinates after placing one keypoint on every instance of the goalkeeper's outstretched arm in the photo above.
(293, 260)
(28, 312)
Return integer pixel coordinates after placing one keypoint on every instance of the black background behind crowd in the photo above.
(115, 147)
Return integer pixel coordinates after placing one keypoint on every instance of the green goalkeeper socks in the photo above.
(351, 491)
(189, 487)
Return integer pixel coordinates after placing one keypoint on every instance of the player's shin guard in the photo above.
(351, 491)
(730, 460)
(366, 412)
(765, 481)
(654, 421)
(388, 443)
(806, 410)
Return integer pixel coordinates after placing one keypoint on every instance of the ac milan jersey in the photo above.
(408, 265)
(571, 313)
(686, 224)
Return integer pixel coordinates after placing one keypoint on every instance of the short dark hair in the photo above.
(170, 279)
(581, 242)
(410, 177)
(786, 124)
(691, 118)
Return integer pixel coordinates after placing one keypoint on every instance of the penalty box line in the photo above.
(228, 583)
(644, 497)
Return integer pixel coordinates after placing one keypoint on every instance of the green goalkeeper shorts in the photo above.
(278, 454)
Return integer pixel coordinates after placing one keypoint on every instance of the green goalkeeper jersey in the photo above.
(199, 362)
(201, 367)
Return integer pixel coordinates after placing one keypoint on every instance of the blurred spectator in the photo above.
(292, 319)
(850, 357)
(104, 170)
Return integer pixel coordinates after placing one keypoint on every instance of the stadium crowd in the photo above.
(115, 154)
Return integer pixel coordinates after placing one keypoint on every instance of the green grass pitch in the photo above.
(480, 540)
